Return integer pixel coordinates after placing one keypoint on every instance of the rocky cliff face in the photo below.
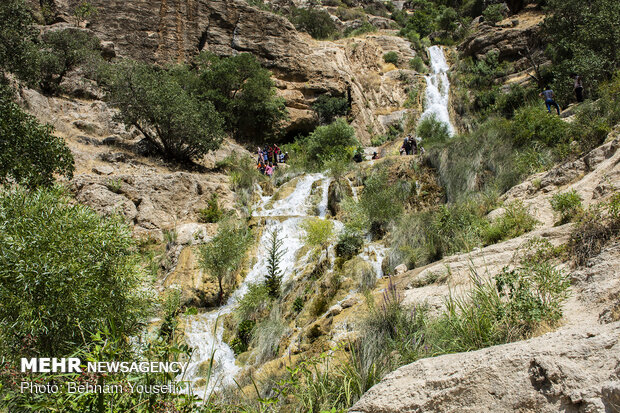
(174, 30)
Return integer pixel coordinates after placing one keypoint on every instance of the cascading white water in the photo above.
(438, 88)
(203, 334)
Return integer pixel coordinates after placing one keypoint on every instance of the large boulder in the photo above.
(576, 370)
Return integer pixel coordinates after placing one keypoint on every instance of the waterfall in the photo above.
(204, 332)
(438, 88)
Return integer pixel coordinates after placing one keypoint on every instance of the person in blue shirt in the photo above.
(549, 96)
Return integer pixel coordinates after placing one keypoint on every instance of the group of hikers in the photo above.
(549, 96)
(268, 159)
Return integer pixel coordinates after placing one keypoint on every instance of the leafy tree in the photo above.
(17, 50)
(584, 38)
(334, 141)
(65, 272)
(29, 153)
(63, 51)
(319, 233)
(273, 279)
(222, 256)
(83, 11)
(154, 100)
(243, 93)
(316, 22)
(448, 19)
(329, 107)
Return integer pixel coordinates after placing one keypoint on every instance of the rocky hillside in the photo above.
(304, 68)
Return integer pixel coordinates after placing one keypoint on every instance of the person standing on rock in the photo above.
(549, 97)
(578, 88)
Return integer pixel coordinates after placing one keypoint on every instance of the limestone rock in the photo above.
(304, 68)
(567, 370)
(400, 269)
(103, 170)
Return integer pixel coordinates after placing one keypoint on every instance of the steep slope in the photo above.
(175, 31)
(573, 369)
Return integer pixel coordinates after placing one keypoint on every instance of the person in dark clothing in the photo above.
(578, 88)
(549, 96)
(358, 157)
(375, 155)
(407, 145)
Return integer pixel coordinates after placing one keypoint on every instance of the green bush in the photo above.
(567, 205)
(448, 19)
(432, 131)
(63, 51)
(255, 303)
(417, 64)
(493, 13)
(298, 304)
(157, 103)
(334, 141)
(267, 336)
(65, 271)
(381, 201)
(221, 256)
(244, 336)
(328, 107)
(366, 27)
(532, 124)
(349, 245)
(316, 22)
(514, 222)
(29, 153)
(319, 233)
(391, 57)
(212, 213)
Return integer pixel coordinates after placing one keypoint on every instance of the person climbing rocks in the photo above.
(549, 96)
(578, 88)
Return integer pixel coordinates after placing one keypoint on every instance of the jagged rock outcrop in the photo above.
(513, 39)
(574, 371)
(174, 31)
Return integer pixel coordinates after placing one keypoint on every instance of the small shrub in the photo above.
(316, 22)
(391, 57)
(328, 108)
(319, 233)
(267, 336)
(493, 13)
(381, 201)
(114, 185)
(244, 336)
(298, 304)
(349, 245)
(417, 64)
(366, 27)
(254, 304)
(594, 228)
(432, 131)
(514, 222)
(567, 205)
(212, 213)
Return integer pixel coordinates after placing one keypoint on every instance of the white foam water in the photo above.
(438, 88)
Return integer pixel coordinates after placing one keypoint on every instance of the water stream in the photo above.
(438, 88)
(204, 331)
